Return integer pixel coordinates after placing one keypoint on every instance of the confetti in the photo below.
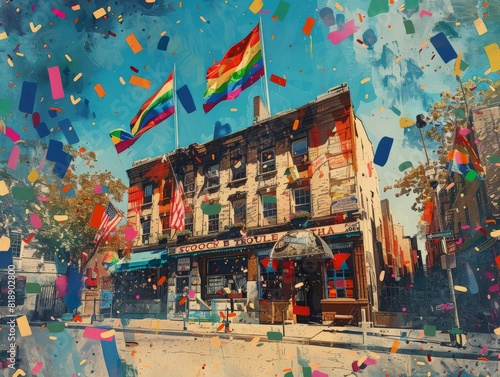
(23, 326)
(493, 53)
(277, 80)
(308, 25)
(443, 47)
(480, 26)
(99, 13)
(383, 151)
(256, 6)
(99, 90)
(140, 82)
(3, 35)
(134, 44)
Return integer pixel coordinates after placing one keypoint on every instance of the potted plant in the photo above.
(237, 229)
(299, 219)
(163, 239)
(183, 236)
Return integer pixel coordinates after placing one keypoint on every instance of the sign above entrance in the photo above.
(322, 231)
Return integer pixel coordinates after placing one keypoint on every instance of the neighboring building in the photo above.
(403, 252)
(240, 193)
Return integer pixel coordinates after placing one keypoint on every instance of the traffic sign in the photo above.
(443, 234)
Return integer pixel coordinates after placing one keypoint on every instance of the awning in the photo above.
(298, 244)
(141, 260)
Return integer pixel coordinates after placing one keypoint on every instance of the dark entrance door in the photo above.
(310, 292)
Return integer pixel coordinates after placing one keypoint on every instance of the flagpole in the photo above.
(176, 125)
(261, 38)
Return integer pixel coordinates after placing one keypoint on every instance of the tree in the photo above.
(442, 120)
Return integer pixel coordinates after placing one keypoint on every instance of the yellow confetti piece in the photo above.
(203, 19)
(83, 361)
(10, 62)
(420, 363)
(255, 340)
(4, 190)
(163, 33)
(99, 13)
(365, 80)
(77, 77)
(33, 176)
(60, 217)
(215, 342)
(180, 4)
(19, 54)
(256, 6)
(4, 243)
(3, 35)
(108, 334)
(23, 326)
(495, 233)
(493, 52)
(362, 360)
(423, 44)
(122, 81)
(480, 26)
(19, 372)
(339, 7)
(457, 70)
(34, 28)
(76, 7)
(150, 1)
(497, 331)
(460, 288)
(52, 337)
(37, 207)
(73, 100)
(68, 58)
(405, 122)
(233, 109)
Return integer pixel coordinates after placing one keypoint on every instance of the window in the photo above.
(299, 147)
(167, 189)
(213, 223)
(302, 198)
(269, 208)
(165, 222)
(188, 222)
(271, 279)
(148, 194)
(340, 272)
(238, 164)
(267, 161)
(146, 230)
(15, 244)
(213, 176)
(227, 273)
(240, 211)
(189, 182)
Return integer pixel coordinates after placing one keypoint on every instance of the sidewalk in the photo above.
(383, 340)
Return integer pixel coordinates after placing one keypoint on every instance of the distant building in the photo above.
(241, 194)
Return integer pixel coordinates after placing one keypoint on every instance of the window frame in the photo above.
(191, 182)
(16, 241)
(243, 213)
(264, 170)
(213, 181)
(213, 219)
(306, 205)
(294, 143)
(189, 225)
(265, 211)
(145, 197)
(241, 172)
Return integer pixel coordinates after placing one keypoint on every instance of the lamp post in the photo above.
(431, 173)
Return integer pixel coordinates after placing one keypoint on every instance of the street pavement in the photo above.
(153, 347)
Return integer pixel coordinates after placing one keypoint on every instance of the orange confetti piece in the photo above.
(360, 17)
(139, 81)
(99, 90)
(59, 110)
(133, 352)
(183, 300)
(220, 327)
(76, 318)
(308, 25)
(161, 280)
(133, 43)
(65, 189)
(395, 346)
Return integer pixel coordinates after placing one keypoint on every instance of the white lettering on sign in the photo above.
(261, 239)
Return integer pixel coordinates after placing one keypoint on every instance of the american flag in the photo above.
(178, 212)
(109, 221)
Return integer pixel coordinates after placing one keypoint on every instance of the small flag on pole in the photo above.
(178, 211)
(109, 220)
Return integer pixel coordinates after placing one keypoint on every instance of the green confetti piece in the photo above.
(395, 110)
(405, 165)
(411, 4)
(211, 209)
(377, 7)
(307, 371)
(260, 344)
(456, 330)
(281, 11)
(23, 193)
(267, 199)
(429, 330)
(493, 159)
(56, 327)
(463, 65)
(33, 288)
(471, 175)
(288, 374)
(274, 335)
(460, 113)
(409, 27)
(4, 106)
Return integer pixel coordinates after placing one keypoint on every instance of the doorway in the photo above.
(308, 275)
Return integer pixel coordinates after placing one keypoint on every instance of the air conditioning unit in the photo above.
(146, 241)
(213, 174)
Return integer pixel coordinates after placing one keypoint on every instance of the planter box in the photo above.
(299, 222)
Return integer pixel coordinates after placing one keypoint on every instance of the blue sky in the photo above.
(400, 70)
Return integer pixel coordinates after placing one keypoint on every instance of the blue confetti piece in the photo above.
(69, 131)
(163, 43)
(383, 151)
(186, 99)
(443, 47)
(42, 130)
(27, 100)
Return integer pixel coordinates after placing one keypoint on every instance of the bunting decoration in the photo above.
(241, 66)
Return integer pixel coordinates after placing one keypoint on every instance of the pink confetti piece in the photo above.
(483, 350)
(340, 35)
(95, 333)
(459, 241)
(55, 82)
(9, 132)
(14, 157)
(494, 288)
(191, 293)
(43, 198)
(465, 227)
(58, 13)
(464, 131)
(38, 366)
(35, 221)
(424, 12)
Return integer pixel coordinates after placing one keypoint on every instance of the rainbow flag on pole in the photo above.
(463, 158)
(156, 109)
(241, 66)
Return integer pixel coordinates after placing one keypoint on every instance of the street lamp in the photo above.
(431, 174)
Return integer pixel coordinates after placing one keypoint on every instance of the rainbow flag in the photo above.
(241, 66)
(463, 157)
(155, 110)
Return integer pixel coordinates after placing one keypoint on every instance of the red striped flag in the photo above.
(178, 212)
(109, 220)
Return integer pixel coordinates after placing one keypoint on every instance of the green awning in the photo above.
(140, 261)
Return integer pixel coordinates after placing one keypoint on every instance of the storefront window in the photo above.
(271, 279)
(227, 276)
(340, 272)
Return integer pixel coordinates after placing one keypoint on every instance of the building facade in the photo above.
(308, 168)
